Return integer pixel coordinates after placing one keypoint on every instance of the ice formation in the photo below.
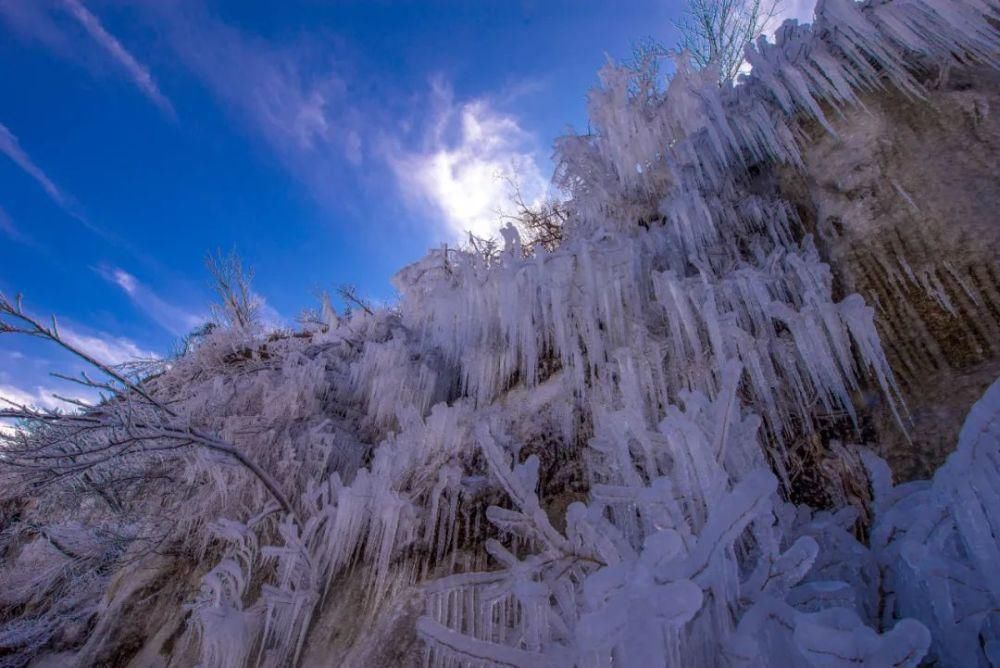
(651, 371)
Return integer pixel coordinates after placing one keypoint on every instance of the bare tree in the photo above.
(239, 307)
(648, 78)
(129, 424)
(542, 223)
(349, 294)
(716, 32)
(487, 249)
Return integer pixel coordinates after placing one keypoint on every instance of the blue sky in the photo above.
(328, 142)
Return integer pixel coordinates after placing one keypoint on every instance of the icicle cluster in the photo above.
(684, 556)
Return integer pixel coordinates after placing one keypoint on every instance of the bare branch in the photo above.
(542, 223)
(715, 32)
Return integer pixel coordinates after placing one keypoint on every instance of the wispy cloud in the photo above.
(137, 72)
(15, 233)
(174, 319)
(11, 231)
(33, 20)
(177, 320)
(11, 147)
(290, 96)
(465, 167)
(47, 22)
(305, 102)
(105, 347)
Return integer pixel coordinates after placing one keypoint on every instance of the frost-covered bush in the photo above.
(937, 543)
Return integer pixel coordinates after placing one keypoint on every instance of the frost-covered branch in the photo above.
(238, 307)
(141, 423)
(349, 294)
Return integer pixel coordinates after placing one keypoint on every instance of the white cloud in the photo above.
(464, 169)
(136, 71)
(170, 317)
(41, 397)
(105, 347)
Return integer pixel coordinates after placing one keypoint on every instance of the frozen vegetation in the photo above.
(578, 455)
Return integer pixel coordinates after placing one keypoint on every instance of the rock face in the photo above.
(905, 201)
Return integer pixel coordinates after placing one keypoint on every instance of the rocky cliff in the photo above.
(905, 203)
